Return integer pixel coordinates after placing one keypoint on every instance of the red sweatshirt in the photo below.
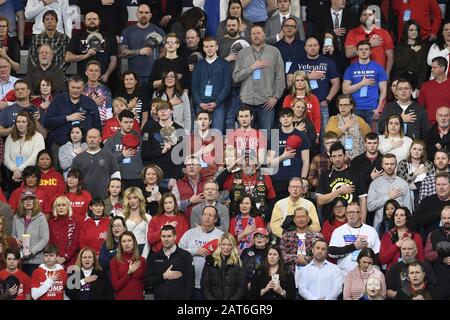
(40, 281)
(328, 228)
(24, 279)
(155, 225)
(127, 287)
(41, 195)
(65, 233)
(112, 125)
(93, 235)
(434, 95)
(390, 253)
(53, 184)
(312, 109)
(79, 204)
(425, 12)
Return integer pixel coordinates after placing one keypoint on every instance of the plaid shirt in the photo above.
(319, 163)
(289, 246)
(59, 43)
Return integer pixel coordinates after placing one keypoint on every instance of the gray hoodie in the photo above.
(38, 230)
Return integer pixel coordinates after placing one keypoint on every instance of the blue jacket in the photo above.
(219, 75)
(60, 107)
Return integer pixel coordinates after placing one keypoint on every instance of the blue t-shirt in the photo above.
(9, 10)
(291, 52)
(291, 167)
(256, 11)
(366, 98)
(321, 63)
(9, 114)
(135, 38)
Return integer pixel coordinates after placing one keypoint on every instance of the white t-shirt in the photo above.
(345, 235)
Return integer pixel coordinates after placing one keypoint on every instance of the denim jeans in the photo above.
(218, 117)
(232, 106)
(367, 115)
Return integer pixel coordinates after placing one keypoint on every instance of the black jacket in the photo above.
(252, 260)
(432, 137)
(100, 289)
(364, 167)
(261, 279)
(327, 22)
(178, 289)
(414, 130)
(223, 283)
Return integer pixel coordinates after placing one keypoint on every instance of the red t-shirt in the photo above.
(246, 140)
(24, 279)
(56, 291)
(312, 109)
(112, 125)
(358, 34)
(79, 204)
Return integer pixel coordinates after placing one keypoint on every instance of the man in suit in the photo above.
(338, 19)
(273, 30)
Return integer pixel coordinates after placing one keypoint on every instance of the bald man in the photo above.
(97, 166)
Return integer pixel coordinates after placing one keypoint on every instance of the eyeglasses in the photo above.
(260, 236)
(339, 206)
(289, 26)
(353, 212)
(171, 42)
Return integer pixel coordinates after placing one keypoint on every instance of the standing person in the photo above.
(136, 218)
(392, 240)
(379, 39)
(211, 83)
(67, 109)
(30, 221)
(116, 227)
(415, 119)
(12, 259)
(170, 270)
(356, 280)
(97, 166)
(51, 182)
(79, 197)
(260, 70)
(50, 35)
(236, 10)
(350, 128)
(335, 219)
(49, 279)
(411, 56)
(168, 213)
(297, 241)
(125, 146)
(76, 145)
(135, 98)
(348, 240)
(426, 12)
(366, 81)
(141, 44)
(199, 241)
(172, 91)
(22, 146)
(437, 137)
(441, 165)
(95, 227)
(113, 202)
(273, 27)
(93, 44)
(440, 47)
(320, 279)
(393, 139)
(151, 177)
(245, 222)
(322, 75)
(223, 276)
(35, 10)
(6, 241)
(64, 232)
(274, 281)
(128, 269)
(94, 283)
(389, 186)
(433, 93)
(112, 125)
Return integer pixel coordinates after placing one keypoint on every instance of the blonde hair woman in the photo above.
(301, 89)
(94, 283)
(136, 218)
(64, 231)
(223, 276)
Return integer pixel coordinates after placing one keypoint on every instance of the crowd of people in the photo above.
(231, 150)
